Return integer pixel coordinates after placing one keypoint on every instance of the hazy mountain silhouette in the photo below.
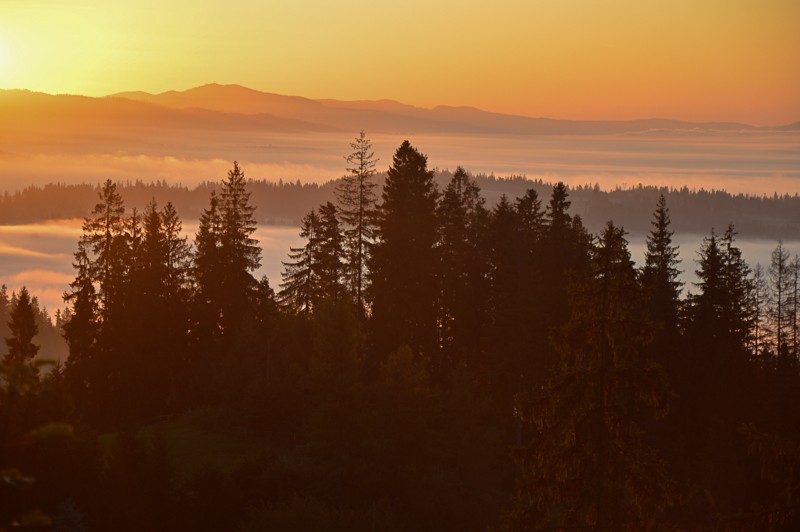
(27, 111)
(191, 136)
(388, 116)
(232, 107)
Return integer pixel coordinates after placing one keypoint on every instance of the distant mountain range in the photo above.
(389, 116)
(192, 136)
(215, 107)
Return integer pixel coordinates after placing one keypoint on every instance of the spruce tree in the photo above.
(177, 252)
(462, 270)
(81, 331)
(506, 299)
(331, 253)
(239, 252)
(708, 307)
(23, 329)
(226, 256)
(780, 280)
(588, 465)
(99, 328)
(563, 260)
(794, 305)
(559, 219)
(158, 317)
(300, 287)
(531, 218)
(355, 195)
(150, 282)
(762, 332)
(739, 290)
(660, 274)
(207, 274)
(404, 259)
(105, 233)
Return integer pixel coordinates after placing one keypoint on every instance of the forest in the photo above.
(429, 360)
(286, 202)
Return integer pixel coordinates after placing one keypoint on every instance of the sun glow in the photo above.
(4, 59)
(621, 59)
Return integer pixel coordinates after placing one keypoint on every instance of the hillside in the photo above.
(285, 203)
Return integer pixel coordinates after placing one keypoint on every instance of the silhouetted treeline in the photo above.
(279, 202)
(429, 362)
(286, 202)
(49, 333)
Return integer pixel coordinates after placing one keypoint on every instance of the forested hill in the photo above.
(285, 203)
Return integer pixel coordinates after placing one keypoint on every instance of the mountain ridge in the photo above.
(244, 100)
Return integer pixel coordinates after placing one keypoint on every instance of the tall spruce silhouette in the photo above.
(240, 254)
(462, 272)
(356, 199)
(660, 273)
(226, 257)
(588, 464)
(23, 329)
(404, 259)
(780, 282)
(300, 288)
(332, 253)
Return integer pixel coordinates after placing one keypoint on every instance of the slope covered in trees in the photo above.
(502, 368)
(694, 211)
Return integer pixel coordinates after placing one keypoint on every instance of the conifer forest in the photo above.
(427, 361)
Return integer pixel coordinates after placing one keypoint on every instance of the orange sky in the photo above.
(688, 59)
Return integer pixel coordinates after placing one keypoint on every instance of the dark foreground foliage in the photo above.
(429, 363)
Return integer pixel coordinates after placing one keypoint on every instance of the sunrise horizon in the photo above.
(722, 61)
(377, 100)
(308, 265)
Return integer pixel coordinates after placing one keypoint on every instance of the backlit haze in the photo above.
(175, 91)
(732, 60)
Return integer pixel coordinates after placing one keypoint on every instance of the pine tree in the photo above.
(404, 259)
(588, 465)
(23, 329)
(660, 274)
(356, 199)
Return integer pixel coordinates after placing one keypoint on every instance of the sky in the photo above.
(699, 60)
